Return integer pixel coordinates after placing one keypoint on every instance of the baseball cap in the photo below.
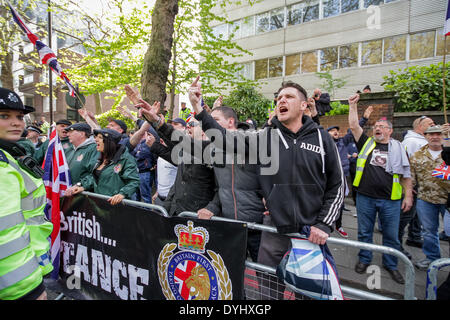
(333, 127)
(178, 120)
(64, 121)
(11, 101)
(80, 126)
(109, 134)
(434, 129)
(121, 124)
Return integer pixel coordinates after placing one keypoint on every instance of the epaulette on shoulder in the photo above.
(3, 157)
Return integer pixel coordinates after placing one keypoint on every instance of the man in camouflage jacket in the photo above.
(432, 193)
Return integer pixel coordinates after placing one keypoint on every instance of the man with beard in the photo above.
(382, 173)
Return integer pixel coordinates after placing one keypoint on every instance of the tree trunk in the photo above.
(98, 103)
(157, 59)
(6, 73)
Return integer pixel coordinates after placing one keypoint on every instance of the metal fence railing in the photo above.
(261, 275)
(432, 272)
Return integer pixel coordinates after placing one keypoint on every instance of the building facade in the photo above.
(359, 41)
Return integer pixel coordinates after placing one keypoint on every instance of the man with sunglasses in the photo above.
(382, 174)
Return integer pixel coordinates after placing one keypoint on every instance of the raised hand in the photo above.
(195, 95)
(218, 102)
(353, 99)
(149, 112)
(132, 95)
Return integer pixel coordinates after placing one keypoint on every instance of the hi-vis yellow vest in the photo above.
(24, 247)
(368, 147)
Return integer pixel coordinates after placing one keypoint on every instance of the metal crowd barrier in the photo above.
(432, 271)
(130, 203)
(348, 291)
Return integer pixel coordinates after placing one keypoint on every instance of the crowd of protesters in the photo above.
(388, 179)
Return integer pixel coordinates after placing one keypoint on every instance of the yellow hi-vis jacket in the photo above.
(24, 230)
(368, 147)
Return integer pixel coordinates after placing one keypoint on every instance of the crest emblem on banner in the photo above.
(190, 274)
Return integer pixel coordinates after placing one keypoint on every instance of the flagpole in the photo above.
(50, 75)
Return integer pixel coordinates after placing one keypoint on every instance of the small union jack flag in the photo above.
(442, 172)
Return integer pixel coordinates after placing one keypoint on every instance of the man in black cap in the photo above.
(61, 126)
(367, 89)
(33, 136)
(84, 155)
(177, 123)
(121, 127)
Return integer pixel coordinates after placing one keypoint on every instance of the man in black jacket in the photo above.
(322, 102)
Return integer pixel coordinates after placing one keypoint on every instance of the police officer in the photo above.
(24, 248)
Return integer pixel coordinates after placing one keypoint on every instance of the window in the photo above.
(331, 8)
(235, 30)
(29, 101)
(294, 14)
(276, 67)
(371, 52)
(247, 26)
(421, 45)
(328, 59)
(292, 64)
(310, 11)
(277, 19)
(246, 72)
(368, 3)
(309, 62)
(348, 56)
(261, 69)
(262, 23)
(395, 49)
(221, 31)
(349, 5)
(440, 43)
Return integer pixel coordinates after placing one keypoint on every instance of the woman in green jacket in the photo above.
(115, 173)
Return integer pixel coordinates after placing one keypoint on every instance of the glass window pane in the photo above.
(330, 8)
(276, 67)
(221, 31)
(328, 59)
(246, 71)
(371, 52)
(262, 23)
(310, 11)
(349, 5)
(277, 19)
(248, 27)
(309, 62)
(260, 69)
(294, 14)
(421, 45)
(293, 64)
(440, 43)
(395, 49)
(368, 3)
(348, 56)
(235, 30)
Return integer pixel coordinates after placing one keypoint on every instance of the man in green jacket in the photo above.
(61, 126)
(84, 155)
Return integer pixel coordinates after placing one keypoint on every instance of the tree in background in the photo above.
(418, 88)
(331, 84)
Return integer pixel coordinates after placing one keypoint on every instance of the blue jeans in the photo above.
(145, 187)
(429, 216)
(389, 214)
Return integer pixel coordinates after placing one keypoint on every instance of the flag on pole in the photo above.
(447, 21)
(56, 180)
(46, 55)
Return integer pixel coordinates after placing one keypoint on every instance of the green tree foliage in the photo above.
(331, 84)
(418, 88)
(103, 119)
(247, 103)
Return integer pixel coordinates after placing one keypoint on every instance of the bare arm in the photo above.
(139, 135)
(353, 121)
(408, 200)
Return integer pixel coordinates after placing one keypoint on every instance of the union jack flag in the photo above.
(56, 180)
(190, 117)
(46, 55)
(441, 172)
